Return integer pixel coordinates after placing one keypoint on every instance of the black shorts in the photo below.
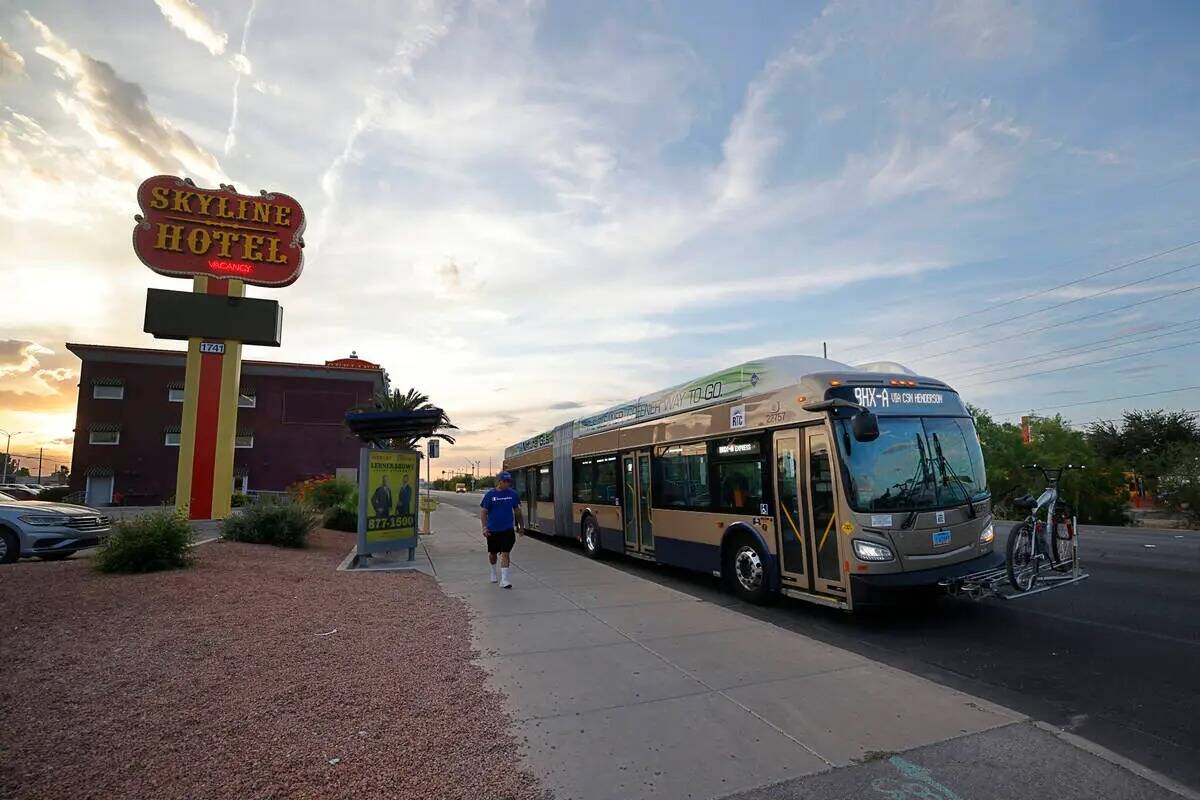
(501, 541)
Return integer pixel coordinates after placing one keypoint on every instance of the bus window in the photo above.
(681, 473)
(739, 475)
(585, 471)
(741, 486)
(605, 487)
(545, 484)
(519, 483)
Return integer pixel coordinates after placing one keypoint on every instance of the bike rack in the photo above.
(994, 582)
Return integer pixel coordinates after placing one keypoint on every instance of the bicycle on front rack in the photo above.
(1046, 540)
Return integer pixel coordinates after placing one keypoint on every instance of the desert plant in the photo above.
(281, 522)
(147, 543)
(238, 499)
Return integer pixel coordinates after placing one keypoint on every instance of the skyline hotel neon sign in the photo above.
(186, 231)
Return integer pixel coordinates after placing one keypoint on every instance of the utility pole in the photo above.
(39, 479)
(7, 450)
(824, 349)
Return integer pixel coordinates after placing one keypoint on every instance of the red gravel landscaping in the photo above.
(258, 673)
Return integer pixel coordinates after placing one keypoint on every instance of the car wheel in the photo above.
(591, 537)
(10, 546)
(746, 569)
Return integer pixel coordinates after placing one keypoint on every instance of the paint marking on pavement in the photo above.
(919, 783)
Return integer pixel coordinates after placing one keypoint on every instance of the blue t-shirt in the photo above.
(501, 505)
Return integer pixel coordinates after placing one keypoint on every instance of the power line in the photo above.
(1094, 402)
(1029, 360)
(1094, 421)
(1091, 363)
(1060, 324)
(1085, 298)
(994, 306)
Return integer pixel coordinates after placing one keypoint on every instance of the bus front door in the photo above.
(635, 503)
(820, 488)
(807, 531)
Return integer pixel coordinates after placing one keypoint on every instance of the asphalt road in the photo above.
(1115, 658)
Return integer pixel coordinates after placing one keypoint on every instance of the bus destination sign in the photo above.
(906, 400)
(185, 231)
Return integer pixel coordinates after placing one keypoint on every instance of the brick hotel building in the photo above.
(289, 423)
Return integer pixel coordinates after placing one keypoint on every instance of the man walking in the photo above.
(500, 516)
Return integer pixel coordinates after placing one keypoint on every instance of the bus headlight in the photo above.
(988, 534)
(871, 551)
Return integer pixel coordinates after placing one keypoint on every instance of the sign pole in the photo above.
(204, 480)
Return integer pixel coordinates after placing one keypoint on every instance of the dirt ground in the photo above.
(258, 673)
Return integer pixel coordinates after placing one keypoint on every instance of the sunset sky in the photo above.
(532, 210)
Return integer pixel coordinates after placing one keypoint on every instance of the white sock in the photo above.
(504, 577)
(493, 573)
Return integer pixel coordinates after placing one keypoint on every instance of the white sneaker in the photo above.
(494, 578)
(505, 583)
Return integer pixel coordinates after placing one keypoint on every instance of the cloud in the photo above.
(984, 30)
(116, 115)
(192, 22)
(12, 63)
(33, 381)
(241, 66)
(263, 87)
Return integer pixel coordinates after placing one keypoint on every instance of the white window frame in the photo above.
(251, 399)
(173, 397)
(238, 446)
(96, 387)
(167, 438)
(116, 441)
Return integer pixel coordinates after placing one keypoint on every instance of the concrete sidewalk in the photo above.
(622, 688)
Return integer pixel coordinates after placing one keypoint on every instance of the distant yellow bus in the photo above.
(791, 475)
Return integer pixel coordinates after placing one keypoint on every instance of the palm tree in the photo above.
(412, 400)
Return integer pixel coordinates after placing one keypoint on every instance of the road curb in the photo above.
(1101, 752)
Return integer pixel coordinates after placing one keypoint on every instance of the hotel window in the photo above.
(171, 438)
(247, 400)
(174, 395)
(104, 437)
(244, 441)
(101, 391)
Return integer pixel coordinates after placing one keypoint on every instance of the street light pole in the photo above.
(7, 451)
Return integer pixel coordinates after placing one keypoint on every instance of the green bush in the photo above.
(147, 543)
(283, 523)
(342, 518)
(237, 500)
(329, 494)
(54, 494)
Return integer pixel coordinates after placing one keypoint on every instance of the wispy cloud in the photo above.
(12, 63)
(116, 115)
(194, 24)
(241, 66)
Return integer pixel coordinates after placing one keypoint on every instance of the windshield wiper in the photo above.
(947, 470)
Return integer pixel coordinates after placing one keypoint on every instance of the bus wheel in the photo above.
(747, 570)
(591, 537)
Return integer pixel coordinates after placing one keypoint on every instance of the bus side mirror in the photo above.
(865, 426)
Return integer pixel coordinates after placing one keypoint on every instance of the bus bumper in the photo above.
(871, 588)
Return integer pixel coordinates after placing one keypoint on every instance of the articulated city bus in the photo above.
(790, 475)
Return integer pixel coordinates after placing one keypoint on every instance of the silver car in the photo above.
(47, 530)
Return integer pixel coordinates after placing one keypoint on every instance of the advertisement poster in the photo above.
(388, 498)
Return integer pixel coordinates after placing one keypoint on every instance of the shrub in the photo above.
(147, 543)
(237, 500)
(328, 494)
(302, 490)
(342, 518)
(284, 523)
(54, 494)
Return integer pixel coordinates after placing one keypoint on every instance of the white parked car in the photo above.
(47, 530)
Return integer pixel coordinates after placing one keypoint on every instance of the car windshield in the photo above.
(916, 463)
(7, 498)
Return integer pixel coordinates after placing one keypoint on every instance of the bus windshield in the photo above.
(916, 463)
